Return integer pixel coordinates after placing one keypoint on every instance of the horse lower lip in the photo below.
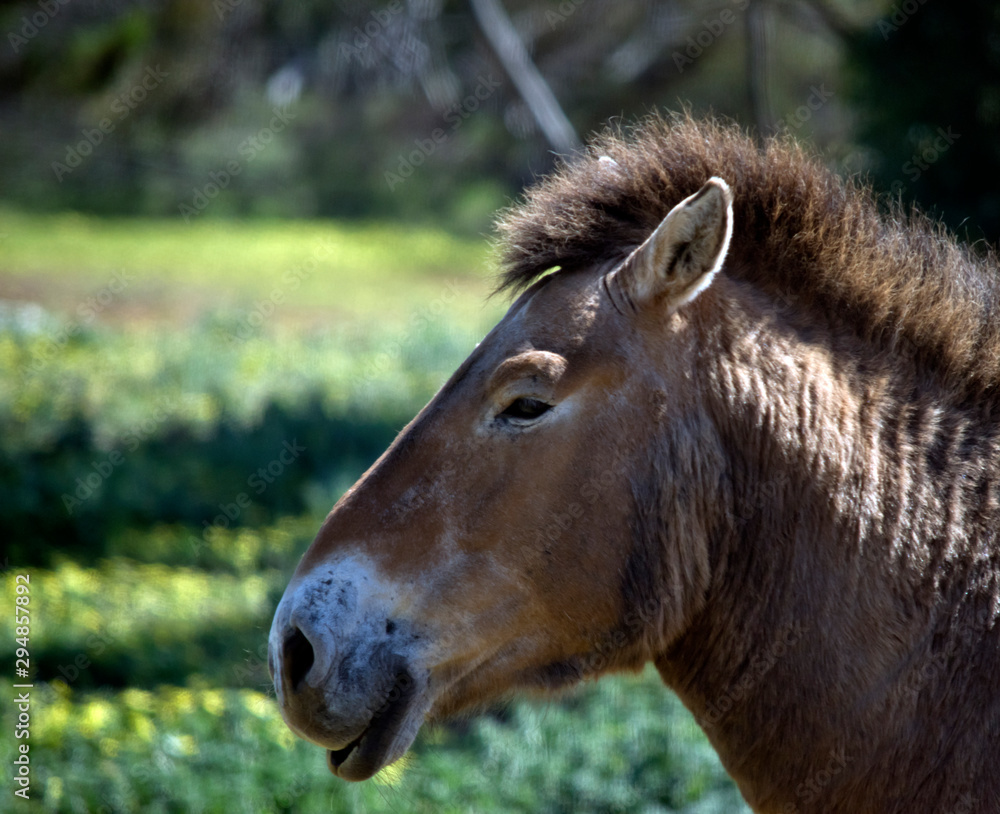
(365, 755)
(352, 763)
(335, 758)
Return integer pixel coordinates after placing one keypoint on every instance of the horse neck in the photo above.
(820, 608)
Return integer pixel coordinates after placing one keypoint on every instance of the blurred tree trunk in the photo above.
(758, 37)
(534, 90)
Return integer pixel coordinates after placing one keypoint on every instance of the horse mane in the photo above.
(801, 234)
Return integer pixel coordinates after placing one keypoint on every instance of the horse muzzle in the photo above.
(347, 673)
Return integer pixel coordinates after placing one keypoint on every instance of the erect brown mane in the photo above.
(800, 232)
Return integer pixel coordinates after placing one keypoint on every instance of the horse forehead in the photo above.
(560, 314)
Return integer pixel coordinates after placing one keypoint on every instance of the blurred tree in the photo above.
(392, 108)
(925, 80)
(537, 95)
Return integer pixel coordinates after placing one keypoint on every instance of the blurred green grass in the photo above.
(359, 273)
(619, 745)
(149, 649)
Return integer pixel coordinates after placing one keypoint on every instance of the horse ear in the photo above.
(678, 261)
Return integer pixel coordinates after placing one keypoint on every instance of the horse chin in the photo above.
(386, 738)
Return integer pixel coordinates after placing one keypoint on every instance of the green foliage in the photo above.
(128, 624)
(93, 477)
(316, 272)
(622, 745)
(110, 430)
(240, 551)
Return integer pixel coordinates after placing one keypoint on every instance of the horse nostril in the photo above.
(298, 658)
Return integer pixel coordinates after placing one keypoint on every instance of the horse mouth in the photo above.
(380, 743)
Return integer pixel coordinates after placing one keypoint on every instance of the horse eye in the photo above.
(525, 408)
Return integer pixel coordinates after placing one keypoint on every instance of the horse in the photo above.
(741, 420)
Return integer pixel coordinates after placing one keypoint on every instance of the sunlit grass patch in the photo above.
(123, 599)
(621, 745)
(237, 550)
(127, 622)
(130, 385)
(175, 749)
(151, 267)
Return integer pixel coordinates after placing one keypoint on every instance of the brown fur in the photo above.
(801, 232)
(881, 444)
(784, 492)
